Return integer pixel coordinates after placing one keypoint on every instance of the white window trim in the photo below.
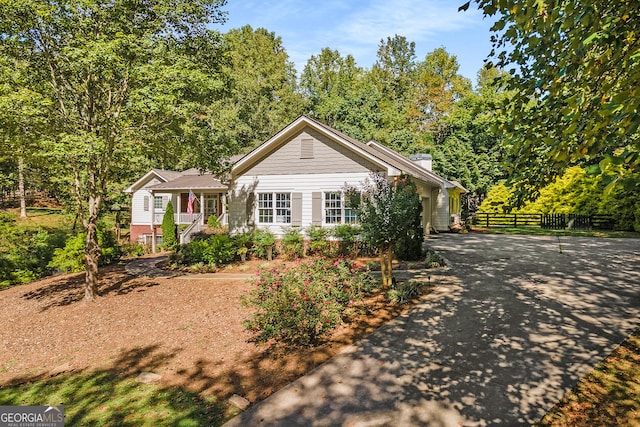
(343, 209)
(275, 208)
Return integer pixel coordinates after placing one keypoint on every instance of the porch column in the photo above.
(178, 208)
(152, 206)
(223, 210)
(202, 219)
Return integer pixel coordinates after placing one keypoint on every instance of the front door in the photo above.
(211, 205)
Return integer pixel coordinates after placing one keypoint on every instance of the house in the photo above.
(294, 179)
(194, 197)
(297, 178)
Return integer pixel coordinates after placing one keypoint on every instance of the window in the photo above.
(278, 212)
(157, 202)
(283, 208)
(265, 207)
(146, 203)
(335, 210)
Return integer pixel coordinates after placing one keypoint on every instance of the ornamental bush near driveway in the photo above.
(302, 303)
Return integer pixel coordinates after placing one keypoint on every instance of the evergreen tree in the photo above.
(169, 237)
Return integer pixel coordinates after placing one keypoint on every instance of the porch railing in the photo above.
(187, 218)
(194, 227)
(223, 219)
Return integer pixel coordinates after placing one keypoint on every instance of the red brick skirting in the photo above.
(138, 230)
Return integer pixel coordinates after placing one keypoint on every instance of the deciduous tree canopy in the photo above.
(575, 72)
(121, 76)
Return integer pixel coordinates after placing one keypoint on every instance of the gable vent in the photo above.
(306, 148)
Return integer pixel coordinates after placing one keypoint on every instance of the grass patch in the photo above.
(608, 396)
(538, 231)
(103, 398)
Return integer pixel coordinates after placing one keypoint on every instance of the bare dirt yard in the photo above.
(187, 330)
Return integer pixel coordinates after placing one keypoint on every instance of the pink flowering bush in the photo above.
(301, 304)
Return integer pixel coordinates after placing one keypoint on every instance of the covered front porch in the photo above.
(195, 198)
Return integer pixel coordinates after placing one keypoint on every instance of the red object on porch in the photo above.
(192, 198)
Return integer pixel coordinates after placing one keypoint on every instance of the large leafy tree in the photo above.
(394, 76)
(123, 76)
(23, 120)
(575, 69)
(437, 88)
(260, 93)
(341, 94)
(326, 81)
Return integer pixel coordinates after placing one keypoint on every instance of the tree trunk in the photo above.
(91, 249)
(91, 255)
(386, 268)
(21, 190)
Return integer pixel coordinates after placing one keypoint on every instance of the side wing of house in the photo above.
(147, 207)
(299, 181)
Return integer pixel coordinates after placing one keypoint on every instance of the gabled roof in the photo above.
(405, 165)
(394, 163)
(297, 125)
(191, 182)
(189, 179)
(160, 174)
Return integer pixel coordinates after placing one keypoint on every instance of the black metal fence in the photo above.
(546, 221)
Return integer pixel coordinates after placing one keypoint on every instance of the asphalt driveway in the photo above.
(514, 323)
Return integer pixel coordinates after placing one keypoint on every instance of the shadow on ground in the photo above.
(112, 396)
(514, 325)
(70, 288)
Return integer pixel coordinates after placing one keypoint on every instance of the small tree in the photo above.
(386, 211)
(169, 238)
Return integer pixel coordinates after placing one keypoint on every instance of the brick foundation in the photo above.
(136, 231)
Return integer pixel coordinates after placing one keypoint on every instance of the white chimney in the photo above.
(425, 161)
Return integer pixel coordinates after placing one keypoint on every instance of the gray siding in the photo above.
(328, 157)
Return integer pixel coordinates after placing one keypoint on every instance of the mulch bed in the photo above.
(188, 331)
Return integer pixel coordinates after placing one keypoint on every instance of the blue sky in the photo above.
(356, 27)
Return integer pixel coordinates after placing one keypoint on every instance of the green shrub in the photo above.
(348, 235)
(169, 236)
(404, 292)
(190, 253)
(70, 258)
(292, 244)
(220, 249)
(318, 242)
(25, 251)
(301, 304)
(433, 260)
(132, 249)
(263, 244)
(243, 242)
(217, 249)
(213, 222)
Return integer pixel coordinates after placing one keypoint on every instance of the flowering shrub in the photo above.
(302, 303)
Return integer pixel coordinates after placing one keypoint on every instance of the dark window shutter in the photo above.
(316, 208)
(296, 209)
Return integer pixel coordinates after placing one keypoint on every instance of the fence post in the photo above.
(487, 219)
(515, 220)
